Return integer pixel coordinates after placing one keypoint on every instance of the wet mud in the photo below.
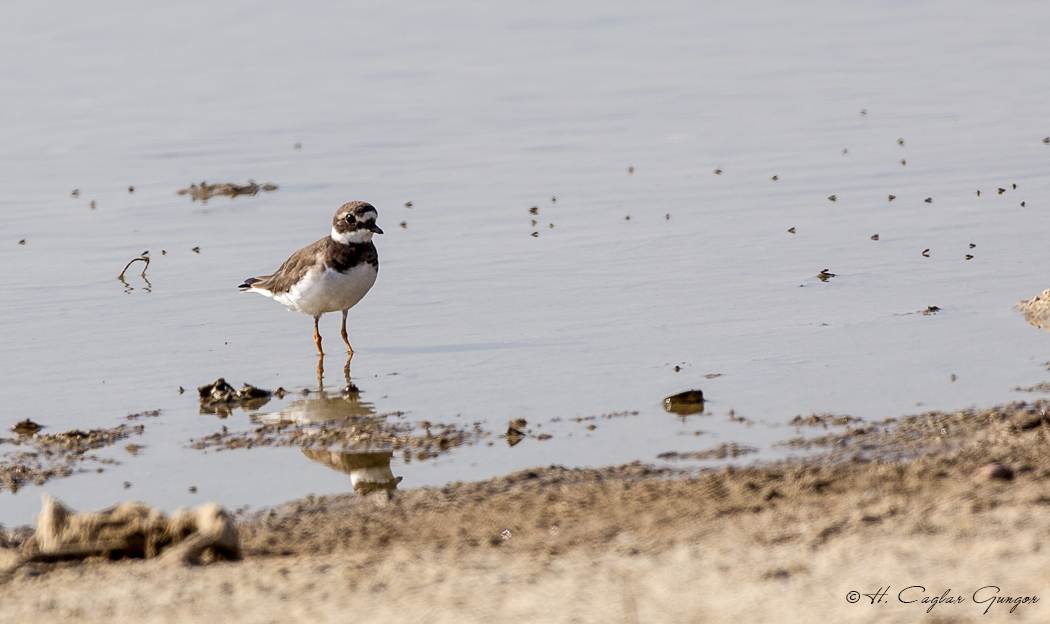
(940, 499)
(38, 457)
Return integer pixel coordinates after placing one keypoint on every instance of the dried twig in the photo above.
(143, 258)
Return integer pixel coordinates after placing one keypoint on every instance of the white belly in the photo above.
(326, 290)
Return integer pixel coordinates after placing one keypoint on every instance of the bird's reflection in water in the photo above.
(369, 471)
(328, 408)
(346, 373)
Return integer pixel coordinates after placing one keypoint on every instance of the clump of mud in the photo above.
(44, 456)
(1036, 310)
(220, 398)
(205, 191)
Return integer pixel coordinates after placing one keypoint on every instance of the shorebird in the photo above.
(330, 275)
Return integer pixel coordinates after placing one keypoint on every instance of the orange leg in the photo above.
(317, 336)
(349, 349)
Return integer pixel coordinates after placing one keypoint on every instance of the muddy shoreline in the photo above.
(903, 504)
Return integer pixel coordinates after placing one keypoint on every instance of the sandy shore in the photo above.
(880, 509)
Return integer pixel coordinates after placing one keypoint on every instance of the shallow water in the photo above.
(475, 115)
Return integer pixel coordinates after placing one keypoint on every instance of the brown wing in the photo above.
(291, 271)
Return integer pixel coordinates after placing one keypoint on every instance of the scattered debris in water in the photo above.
(928, 200)
(131, 189)
(832, 198)
(930, 310)
(408, 204)
(722, 451)
(926, 252)
(874, 237)
(823, 420)
(825, 275)
(355, 433)
(791, 230)
(75, 193)
(205, 191)
(196, 250)
(534, 210)
(718, 172)
(22, 242)
(775, 178)
(56, 454)
(630, 169)
(892, 197)
(404, 225)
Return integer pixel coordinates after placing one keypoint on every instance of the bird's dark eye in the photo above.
(349, 218)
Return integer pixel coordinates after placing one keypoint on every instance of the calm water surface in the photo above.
(475, 115)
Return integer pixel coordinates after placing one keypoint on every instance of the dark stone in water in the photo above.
(684, 403)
